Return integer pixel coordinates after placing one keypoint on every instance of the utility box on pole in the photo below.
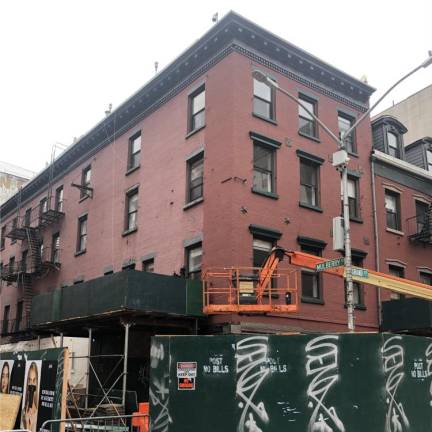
(338, 233)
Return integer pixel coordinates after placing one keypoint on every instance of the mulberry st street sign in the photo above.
(338, 262)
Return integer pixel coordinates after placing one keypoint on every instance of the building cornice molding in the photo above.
(232, 34)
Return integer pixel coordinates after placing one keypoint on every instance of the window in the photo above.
(311, 281)
(195, 173)
(14, 227)
(392, 205)
(134, 151)
(5, 323)
(193, 261)
(129, 266)
(422, 218)
(82, 234)
(429, 160)
(59, 199)
(85, 181)
(24, 257)
(55, 248)
(148, 265)
(263, 169)
(353, 198)
(27, 217)
(426, 278)
(309, 183)
(261, 250)
(307, 124)
(393, 145)
(397, 271)
(12, 268)
(131, 210)
(263, 100)
(3, 237)
(19, 316)
(345, 122)
(43, 206)
(197, 109)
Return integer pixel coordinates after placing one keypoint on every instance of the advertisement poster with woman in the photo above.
(30, 400)
(5, 375)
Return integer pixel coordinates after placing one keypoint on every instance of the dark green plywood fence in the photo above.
(313, 383)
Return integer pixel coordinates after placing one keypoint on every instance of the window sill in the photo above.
(193, 203)
(83, 198)
(269, 120)
(310, 207)
(78, 253)
(131, 170)
(312, 300)
(266, 194)
(312, 138)
(361, 307)
(129, 231)
(356, 219)
(394, 231)
(193, 132)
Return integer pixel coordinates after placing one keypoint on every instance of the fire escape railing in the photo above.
(419, 227)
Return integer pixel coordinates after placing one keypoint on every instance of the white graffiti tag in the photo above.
(393, 358)
(322, 364)
(159, 395)
(251, 368)
(429, 369)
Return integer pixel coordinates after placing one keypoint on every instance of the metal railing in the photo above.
(118, 423)
(419, 227)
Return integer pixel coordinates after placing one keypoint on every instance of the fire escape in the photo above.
(36, 259)
(420, 227)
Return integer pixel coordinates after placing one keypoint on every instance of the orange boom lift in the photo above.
(272, 290)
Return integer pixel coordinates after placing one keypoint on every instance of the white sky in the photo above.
(62, 62)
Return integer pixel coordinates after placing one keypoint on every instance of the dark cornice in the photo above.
(389, 120)
(233, 33)
(421, 141)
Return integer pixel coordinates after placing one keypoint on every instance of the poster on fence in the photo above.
(39, 377)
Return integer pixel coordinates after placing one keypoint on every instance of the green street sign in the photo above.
(338, 262)
(361, 272)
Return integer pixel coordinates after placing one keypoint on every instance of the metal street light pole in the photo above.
(342, 166)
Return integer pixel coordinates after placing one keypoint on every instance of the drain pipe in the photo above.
(376, 237)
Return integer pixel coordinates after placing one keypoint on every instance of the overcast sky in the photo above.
(63, 62)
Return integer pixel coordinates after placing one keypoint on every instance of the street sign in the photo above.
(361, 272)
(338, 262)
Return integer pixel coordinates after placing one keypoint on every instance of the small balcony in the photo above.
(50, 212)
(407, 315)
(14, 326)
(15, 230)
(420, 228)
(11, 272)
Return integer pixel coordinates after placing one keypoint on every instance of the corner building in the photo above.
(202, 167)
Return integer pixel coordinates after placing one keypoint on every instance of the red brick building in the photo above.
(205, 167)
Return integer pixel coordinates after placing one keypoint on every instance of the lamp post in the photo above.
(340, 161)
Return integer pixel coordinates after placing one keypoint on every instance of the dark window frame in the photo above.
(148, 263)
(59, 198)
(6, 319)
(130, 194)
(14, 226)
(84, 193)
(313, 247)
(398, 153)
(55, 248)
(397, 214)
(400, 270)
(190, 165)
(3, 237)
(27, 217)
(421, 217)
(191, 127)
(317, 167)
(196, 274)
(351, 139)
(82, 237)
(19, 315)
(425, 277)
(43, 206)
(272, 171)
(270, 103)
(134, 161)
(314, 124)
(354, 210)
